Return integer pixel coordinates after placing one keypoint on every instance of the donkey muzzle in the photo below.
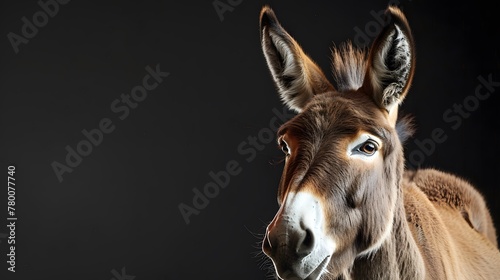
(295, 239)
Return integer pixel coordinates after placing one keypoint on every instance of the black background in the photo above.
(118, 209)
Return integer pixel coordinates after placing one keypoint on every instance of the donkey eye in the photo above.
(369, 147)
(284, 147)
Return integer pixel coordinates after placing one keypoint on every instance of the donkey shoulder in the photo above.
(445, 189)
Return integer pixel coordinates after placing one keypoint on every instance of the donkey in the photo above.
(347, 207)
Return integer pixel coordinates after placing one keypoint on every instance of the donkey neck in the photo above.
(397, 258)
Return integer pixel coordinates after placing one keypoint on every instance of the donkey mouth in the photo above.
(314, 275)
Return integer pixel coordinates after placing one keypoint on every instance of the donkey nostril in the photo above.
(308, 241)
(307, 244)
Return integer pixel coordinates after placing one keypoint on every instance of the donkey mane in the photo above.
(348, 66)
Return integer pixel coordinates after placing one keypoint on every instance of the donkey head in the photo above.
(344, 159)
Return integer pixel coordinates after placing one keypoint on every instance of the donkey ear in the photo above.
(296, 76)
(391, 62)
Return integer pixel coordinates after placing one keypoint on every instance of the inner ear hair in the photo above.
(391, 61)
(396, 67)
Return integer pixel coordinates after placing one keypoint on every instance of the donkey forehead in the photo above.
(339, 114)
